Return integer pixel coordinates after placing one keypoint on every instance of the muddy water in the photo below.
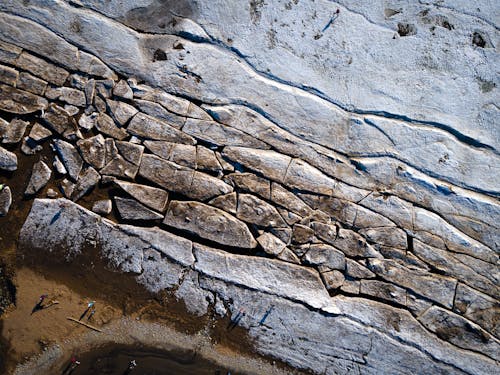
(114, 360)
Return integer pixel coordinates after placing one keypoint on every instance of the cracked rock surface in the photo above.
(355, 192)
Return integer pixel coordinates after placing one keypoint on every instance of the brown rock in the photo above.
(123, 90)
(289, 217)
(326, 256)
(210, 223)
(111, 150)
(227, 202)
(87, 180)
(42, 69)
(70, 157)
(302, 234)
(13, 132)
(289, 256)
(130, 151)
(87, 122)
(38, 133)
(271, 244)
(9, 52)
(386, 291)
(326, 232)
(251, 183)
(8, 75)
(284, 198)
(61, 122)
(68, 95)
(120, 167)
(5, 200)
(256, 211)
(121, 112)
(102, 207)
(206, 160)
(106, 125)
(21, 102)
(333, 279)
(357, 271)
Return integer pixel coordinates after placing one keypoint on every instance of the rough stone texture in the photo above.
(8, 160)
(14, 131)
(102, 207)
(149, 196)
(370, 156)
(70, 157)
(106, 125)
(86, 181)
(130, 209)
(40, 176)
(38, 133)
(93, 150)
(210, 223)
(5, 200)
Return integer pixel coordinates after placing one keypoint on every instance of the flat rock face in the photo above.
(359, 178)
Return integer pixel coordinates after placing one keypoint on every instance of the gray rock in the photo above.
(391, 237)
(130, 151)
(383, 290)
(333, 279)
(220, 135)
(5, 200)
(59, 166)
(120, 111)
(70, 157)
(149, 196)
(13, 132)
(288, 200)
(40, 176)
(226, 202)
(21, 102)
(104, 87)
(159, 112)
(326, 232)
(89, 91)
(86, 181)
(38, 133)
(102, 207)
(289, 256)
(8, 160)
(106, 125)
(42, 69)
(326, 256)
(210, 223)
(256, 211)
(130, 209)
(271, 244)
(111, 150)
(181, 154)
(206, 160)
(67, 187)
(51, 193)
(149, 127)
(459, 331)
(357, 271)
(123, 90)
(180, 179)
(302, 234)
(289, 217)
(353, 245)
(434, 287)
(87, 122)
(68, 95)
(31, 83)
(8, 75)
(93, 150)
(119, 167)
(61, 122)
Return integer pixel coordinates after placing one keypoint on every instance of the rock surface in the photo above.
(40, 176)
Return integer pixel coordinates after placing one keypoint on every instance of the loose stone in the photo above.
(40, 176)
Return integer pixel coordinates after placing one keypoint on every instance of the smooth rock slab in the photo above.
(130, 209)
(70, 157)
(149, 196)
(8, 160)
(20, 102)
(5, 200)
(209, 223)
(40, 176)
(149, 127)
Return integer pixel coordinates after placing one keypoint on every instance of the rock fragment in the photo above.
(123, 90)
(106, 125)
(121, 112)
(8, 75)
(130, 151)
(130, 209)
(271, 244)
(68, 95)
(87, 122)
(152, 197)
(13, 132)
(226, 202)
(102, 207)
(5, 200)
(206, 160)
(149, 127)
(20, 102)
(386, 291)
(157, 111)
(70, 157)
(302, 234)
(256, 211)
(326, 256)
(209, 223)
(119, 167)
(40, 176)
(8, 160)
(61, 122)
(38, 133)
(248, 182)
(86, 181)
(42, 69)
(93, 150)
(333, 279)
(59, 166)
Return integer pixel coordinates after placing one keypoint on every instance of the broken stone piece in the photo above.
(121, 112)
(150, 196)
(13, 132)
(70, 157)
(86, 181)
(149, 127)
(130, 209)
(67, 188)
(30, 147)
(106, 125)
(93, 150)
(302, 234)
(333, 279)
(42, 69)
(119, 167)
(8, 75)
(271, 244)
(256, 211)
(40, 176)
(61, 122)
(51, 193)
(5, 200)
(249, 182)
(31, 83)
(289, 256)
(325, 255)
(386, 291)
(209, 223)
(123, 90)
(59, 166)
(226, 202)
(102, 207)
(8, 160)
(20, 102)
(130, 151)
(38, 133)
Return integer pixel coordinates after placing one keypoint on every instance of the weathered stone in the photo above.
(157, 111)
(271, 244)
(8, 75)
(99, 104)
(8, 160)
(226, 166)
(227, 202)
(31, 83)
(21, 102)
(391, 237)
(333, 279)
(478, 307)
(434, 287)
(316, 216)
(303, 176)
(13, 132)
(42, 69)
(61, 122)
(284, 234)
(302, 234)
(106, 125)
(290, 201)
(40, 176)
(93, 66)
(68, 95)
(9, 52)
(220, 135)
(67, 187)
(59, 166)
(149, 196)
(289, 217)
(51, 193)
(130, 209)
(78, 81)
(385, 291)
(123, 90)
(130, 151)
(5, 200)
(180, 179)
(459, 331)
(405, 257)
(289, 256)
(210, 223)
(181, 154)
(86, 182)
(89, 91)
(268, 163)
(120, 167)
(256, 211)
(93, 150)
(353, 245)
(102, 207)
(357, 271)
(30, 147)
(206, 160)
(120, 111)
(326, 232)
(70, 157)
(104, 87)
(248, 182)
(87, 122)
(325, 255)
(148, 127)
(71, 109)
(111, 150)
